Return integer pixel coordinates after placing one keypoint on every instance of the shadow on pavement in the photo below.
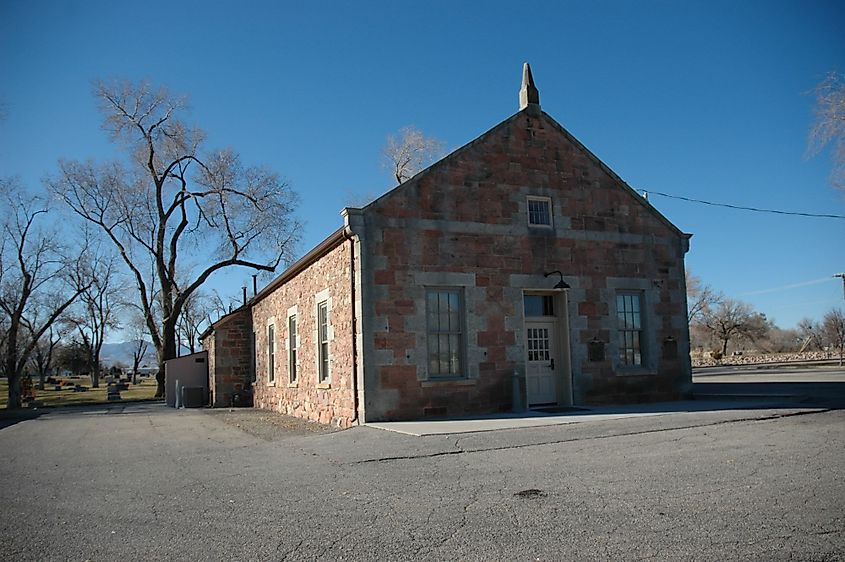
(9, 418)
(141, 407)
(822, 394)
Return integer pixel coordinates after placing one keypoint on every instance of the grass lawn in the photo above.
(144, 390)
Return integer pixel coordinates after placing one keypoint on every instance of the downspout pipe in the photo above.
(347, 232)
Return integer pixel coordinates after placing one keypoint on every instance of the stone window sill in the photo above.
(635, 372)
(293, 385)
(324, 385)
(448, 382)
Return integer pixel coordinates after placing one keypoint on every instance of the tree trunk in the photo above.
(14, 392)
(11, 367)
(725, 347)
(136, 361)
(160, 381)
(168, 352)
(41, 377)
(14, 396)
(95, 375)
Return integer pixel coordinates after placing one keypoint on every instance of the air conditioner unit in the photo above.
(193, 397)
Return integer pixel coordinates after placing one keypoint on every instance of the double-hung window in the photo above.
(292, 343)
(445, 334)
(254, 366)
(271, 353)
(630, 328)
(323, 341)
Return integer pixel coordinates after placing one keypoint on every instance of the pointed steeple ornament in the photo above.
(528, 94)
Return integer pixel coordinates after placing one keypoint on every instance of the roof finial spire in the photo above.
(528, 94)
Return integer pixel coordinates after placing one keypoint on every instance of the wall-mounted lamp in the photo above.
(560, 284)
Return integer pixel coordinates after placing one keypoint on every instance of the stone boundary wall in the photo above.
(761, 358)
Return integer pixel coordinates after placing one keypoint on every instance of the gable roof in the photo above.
(318, 251)
(534, 111)
(223, 320)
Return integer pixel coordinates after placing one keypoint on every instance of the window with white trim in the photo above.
(292, 344)
(271, 353)
(539, 211)
(630, 328)
(254, 366)
(445, 334)
(323, 341)
(539, 305)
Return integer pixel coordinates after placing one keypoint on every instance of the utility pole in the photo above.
(842, 275)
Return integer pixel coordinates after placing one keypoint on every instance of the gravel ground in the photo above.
(266, 425)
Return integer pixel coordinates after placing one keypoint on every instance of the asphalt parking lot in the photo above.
(760, 481)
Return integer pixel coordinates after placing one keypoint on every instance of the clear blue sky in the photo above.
(707, 100)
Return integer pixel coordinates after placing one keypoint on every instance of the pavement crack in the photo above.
(291, 550)
(831, 532)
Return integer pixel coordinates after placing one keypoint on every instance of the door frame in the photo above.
(563, 376)
(543, 323)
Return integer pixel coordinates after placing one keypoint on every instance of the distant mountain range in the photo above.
(113, 353)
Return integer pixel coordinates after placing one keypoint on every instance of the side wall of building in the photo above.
(463, 226)
(328, 280)
(229, 347)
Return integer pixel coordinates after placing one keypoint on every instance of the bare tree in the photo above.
(732, 319)
(42, 355)
(72, 356)
(35, 275)
(195, 315)
(138, 334)
(98, 308)
(700, 298)
(409, 152)
(174, 205)
(778, 340)
(220, 305)
(829, 125)
(833, 325)
(139, 350)
(810, 333)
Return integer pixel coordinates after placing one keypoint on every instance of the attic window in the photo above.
(539, 211)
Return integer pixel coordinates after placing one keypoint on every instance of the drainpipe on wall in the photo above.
(347, 232)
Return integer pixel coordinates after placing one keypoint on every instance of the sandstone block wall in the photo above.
(329, 278)
(463, 224)
(229, 357)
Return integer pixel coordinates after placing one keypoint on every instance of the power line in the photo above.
(785, 287)
(741, 208)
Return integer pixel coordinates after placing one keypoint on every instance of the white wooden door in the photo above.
(542, 360)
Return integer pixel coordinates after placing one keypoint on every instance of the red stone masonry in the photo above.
(467, 214)
(229, 349)
(462, 223)
(330, 276)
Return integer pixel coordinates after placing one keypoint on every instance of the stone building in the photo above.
(519, 268)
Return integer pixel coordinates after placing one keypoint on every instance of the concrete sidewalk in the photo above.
(530, 419)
